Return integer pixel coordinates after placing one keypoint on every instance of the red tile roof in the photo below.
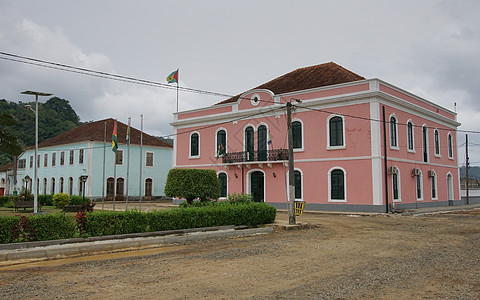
(306, 78)
(95, 131)
(7, 167)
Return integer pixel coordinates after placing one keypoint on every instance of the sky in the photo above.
(430, 48)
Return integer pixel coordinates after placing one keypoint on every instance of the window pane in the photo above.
(298, 185)
(249, 144)
(393, 132)
(221, 142)
(194, 144)
(262, 143)
(395, 186)
(297, 135)
(434, 189)
(222, 178)
(337, 182)
(410, 135)
(336, 131)
(149, 159)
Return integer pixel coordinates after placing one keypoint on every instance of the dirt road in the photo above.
(335, 257)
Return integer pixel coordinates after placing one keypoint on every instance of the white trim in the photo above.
(421, 186)
(153, 159)
(218, 176)
(436, 186)
(427, 149)
(399, 186)
(343, 132)
(376, 162)
(397, 147)
(249, 183)
(252, 99)
(175, 148)
(413, 137)
(330, 185)
(449, 135)
(301, 149)
(216, 140)
(435, 131)
(190, 156)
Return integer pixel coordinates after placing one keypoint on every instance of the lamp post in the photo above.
(83, 180)
(27, 179)
(35, 191)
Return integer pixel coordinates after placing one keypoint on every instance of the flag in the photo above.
(114, 138)
(128, 132)
(269, 138)
(220, 150)
(173, 77)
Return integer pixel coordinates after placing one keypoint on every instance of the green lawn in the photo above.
(4, 211)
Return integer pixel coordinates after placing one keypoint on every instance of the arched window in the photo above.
(148, 187)
(110, 183)
(70, 186)
(419, 185)
(335, 131)
(396, 187)
(262, 143)
(222, 179)
(337, 184)
(437, 142)
(298, 184)
(450, 146)
(52, 187)
(44, 186)
(61, 184)
(425, 143)
(297, 135)
(194, 144)
(120, 186)
(433, 181)
(249, 143)
(393, 132)
(221, 142)
(410, 136)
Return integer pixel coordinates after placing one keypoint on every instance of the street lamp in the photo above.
(83, 180)
(27, 179)
(35, 191)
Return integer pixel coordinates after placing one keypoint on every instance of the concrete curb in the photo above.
(52, 251)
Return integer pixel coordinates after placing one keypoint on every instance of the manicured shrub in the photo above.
(240, 198)
(78, 200)
(60, 200)
(192, 183)
(6, 228)
(45, 200)
(53, 227)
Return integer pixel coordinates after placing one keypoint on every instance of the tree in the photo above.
(8, 143)
(192, 183)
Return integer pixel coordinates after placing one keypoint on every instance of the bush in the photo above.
(240, 198)
(45, 200)
(192, 183)
(60, 200)
(78, 200)
(4, 200)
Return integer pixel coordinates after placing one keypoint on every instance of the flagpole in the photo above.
(177, 96)
(128, 161)
(140, 163)
(114, 173)
(104, 153)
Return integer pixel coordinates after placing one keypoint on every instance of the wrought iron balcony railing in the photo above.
(255, 156)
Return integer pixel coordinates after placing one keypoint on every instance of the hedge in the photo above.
(100, 223)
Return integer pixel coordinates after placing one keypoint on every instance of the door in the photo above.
(450, 186)
(257, 186)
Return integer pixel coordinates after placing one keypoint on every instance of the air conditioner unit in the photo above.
(431, 173)
(416, 172)
(393, 170)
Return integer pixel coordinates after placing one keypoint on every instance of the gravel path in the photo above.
(334, 257)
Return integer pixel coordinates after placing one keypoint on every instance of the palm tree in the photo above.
(8, 143)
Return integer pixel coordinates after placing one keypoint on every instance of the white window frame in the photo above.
(330, 185)
(421, 186)
(71, 157)
(450, 146)
(252, 99)
(343, 132)
(216, 140)
(437, 133)
(190, 156)
(301, 149)
(153, 159)
(81, 156)
(399, 185)
(121, 154)
(54, 159)
(397, 147)
(218, 176)
(435, 186)
(413, 136)
(45, 160)
(425, 127)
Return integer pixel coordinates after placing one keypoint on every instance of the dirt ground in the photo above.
(334, 257)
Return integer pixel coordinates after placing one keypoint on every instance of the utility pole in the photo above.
(291, 175)
(466, 181)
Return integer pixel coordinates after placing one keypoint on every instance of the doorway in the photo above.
(257, 186)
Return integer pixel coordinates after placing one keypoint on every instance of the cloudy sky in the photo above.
(428, 47)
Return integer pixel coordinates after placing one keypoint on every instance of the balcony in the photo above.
(255, 156)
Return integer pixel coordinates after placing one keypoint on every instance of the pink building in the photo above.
(339, 143)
